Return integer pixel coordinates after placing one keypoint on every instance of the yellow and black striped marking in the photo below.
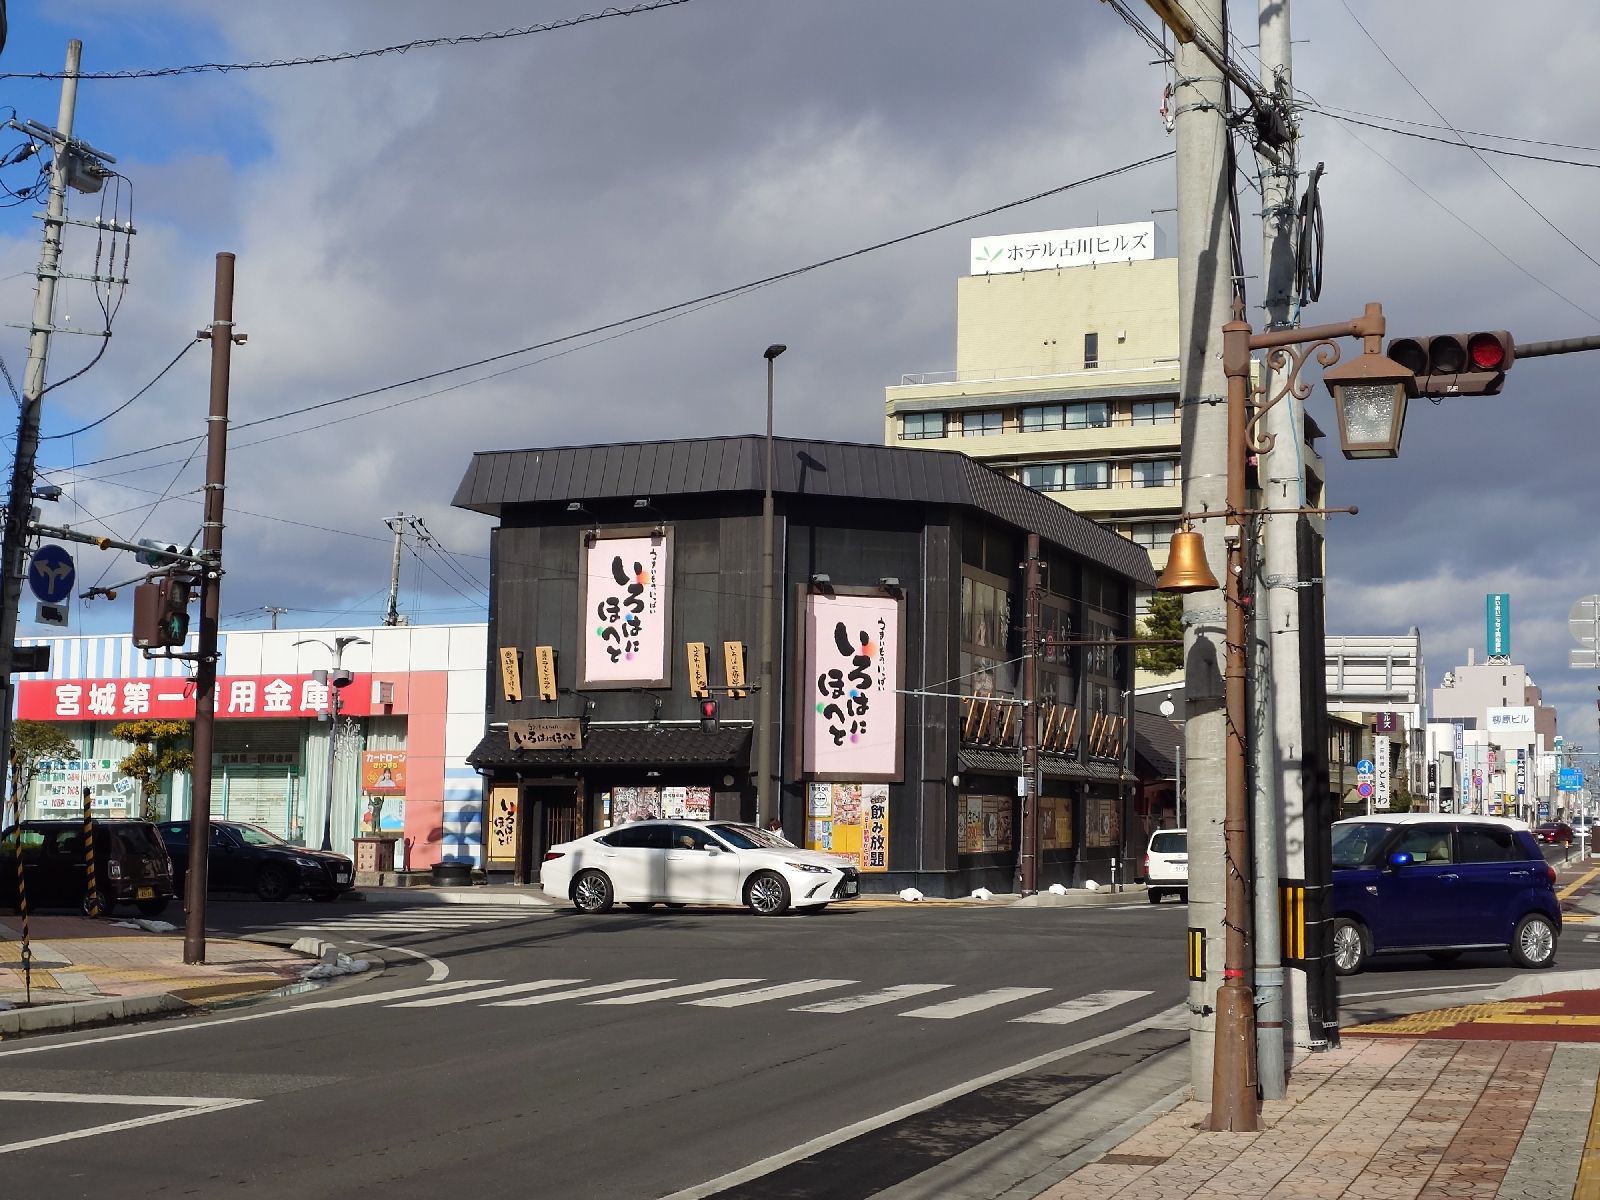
(91, 892)
(22, 909)
(1292, 917)
(1197, 955)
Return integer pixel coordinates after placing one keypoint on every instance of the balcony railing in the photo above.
(1002, 374)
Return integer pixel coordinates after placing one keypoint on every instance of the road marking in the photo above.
(424, 989)
(972, 1004)
(1077, 1010)
(182, 1106)
(598, 989)
(826, 1141)
(776, 991)
(509, 989)
(1588, 1182)
(436, 969)
(886, 995)
(1577, 883)
(686, 989)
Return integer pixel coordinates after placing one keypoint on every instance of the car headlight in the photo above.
(810, 868)
(307, 862)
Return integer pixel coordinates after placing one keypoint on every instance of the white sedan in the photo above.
(644, 863)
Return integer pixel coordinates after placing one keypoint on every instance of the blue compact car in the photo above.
(1438, 884)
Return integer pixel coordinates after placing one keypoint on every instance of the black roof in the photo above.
(637, 745)
(498, 479)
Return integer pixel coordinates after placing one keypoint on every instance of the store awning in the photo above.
(1009, 762)
(633, 745)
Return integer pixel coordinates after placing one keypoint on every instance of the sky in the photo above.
(401, 215)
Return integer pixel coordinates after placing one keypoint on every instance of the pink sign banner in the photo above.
(172, 699)
(851, 714)
(625, 622)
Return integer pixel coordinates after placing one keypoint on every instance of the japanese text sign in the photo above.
(172, 698)
(625, 617)
(383, 772)
(850, 705)
(1063, 248)
(1497, 618)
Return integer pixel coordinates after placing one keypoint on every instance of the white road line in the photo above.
(1448, 987)
(384, 997)
(598, 989)
(686, 989)
(193, 1106)
(972, 1004)
(888, 995)
(776, 991)
(509, 989)
(436, 969)
(1077, 1010)
(96, 1098)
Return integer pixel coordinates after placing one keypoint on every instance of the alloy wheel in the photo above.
(767, 894)
(1536, 941)
(1347, 948)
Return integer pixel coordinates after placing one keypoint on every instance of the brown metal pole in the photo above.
(1030, 722)
(1233, 1075)
(205, 694)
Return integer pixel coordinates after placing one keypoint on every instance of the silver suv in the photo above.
(1166, 864)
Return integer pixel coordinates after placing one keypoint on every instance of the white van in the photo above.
(1166, 864)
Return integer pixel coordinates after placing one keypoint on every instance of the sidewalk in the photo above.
(86, 972)
(1496, 1098)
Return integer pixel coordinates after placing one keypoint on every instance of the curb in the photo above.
(1544, 983)
(464, 895)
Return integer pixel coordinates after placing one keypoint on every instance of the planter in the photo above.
(452, 874)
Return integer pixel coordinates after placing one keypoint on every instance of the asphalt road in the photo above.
(536, 1052)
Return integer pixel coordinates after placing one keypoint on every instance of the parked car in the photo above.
(1166, 865)
(1439, 885)
(131, 865)
(247, 858)
(1556, 833)
(644, 863)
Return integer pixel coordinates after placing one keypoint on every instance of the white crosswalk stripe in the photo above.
(776, 991)
(1078, 1009)
(671, 993)
(888, 995)
(410, 920)
(598, 989)
(951, 1009)
(448, 985)
(509, 989)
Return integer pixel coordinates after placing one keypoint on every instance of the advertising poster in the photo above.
(674, 803)
(850, 710)
(58, 788)
(383, 772)
(625, 621)
(875, 834)
(1102, 821)
(855, 824)
(986, 824)
(697, 803)
(502, 839)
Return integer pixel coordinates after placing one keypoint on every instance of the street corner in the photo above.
(1572, 1016)
(1578, 890)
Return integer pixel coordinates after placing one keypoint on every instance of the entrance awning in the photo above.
(623, 746)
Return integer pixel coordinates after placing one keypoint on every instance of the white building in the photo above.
(1381, 680)
(1495, 738)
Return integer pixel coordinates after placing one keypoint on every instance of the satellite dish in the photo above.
(1167, 707)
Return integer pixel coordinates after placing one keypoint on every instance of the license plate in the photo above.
(145, 893)
(341, 876)
(851, 887)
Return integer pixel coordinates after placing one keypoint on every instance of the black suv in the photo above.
(131, 865)
(246, 858)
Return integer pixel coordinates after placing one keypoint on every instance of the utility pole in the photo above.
(1205, 292)
(397, 526)
(1278, 792)
(222, 337)
(273, 611)
(19, 505)
(768, 799)
(1029, 864)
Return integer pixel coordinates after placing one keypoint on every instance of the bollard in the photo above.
(22, 907)
(91, 892)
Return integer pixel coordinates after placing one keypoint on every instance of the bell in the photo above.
(1186, 569)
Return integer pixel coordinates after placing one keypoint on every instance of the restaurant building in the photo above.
(626, 594)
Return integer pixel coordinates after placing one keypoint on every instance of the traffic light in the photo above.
(161, 612)
(1457, 364)
(708, 716)
(155, 553)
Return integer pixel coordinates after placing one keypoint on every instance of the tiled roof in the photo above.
(634, 745)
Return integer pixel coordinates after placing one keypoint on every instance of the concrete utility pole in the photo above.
(222, 337)
(1204, 303)
(19, 505)
(397, 526)
(1028, 862)
(1278, 816)
(768, 798)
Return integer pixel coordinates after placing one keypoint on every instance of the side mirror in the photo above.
(713, 848)
(1399, 859)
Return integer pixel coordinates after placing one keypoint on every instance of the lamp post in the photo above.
(1369, 396)
(337, 680)
(765, 807)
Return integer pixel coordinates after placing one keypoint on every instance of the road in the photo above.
(536, 1052)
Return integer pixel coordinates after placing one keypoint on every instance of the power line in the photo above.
(1530, 204)
(709, 297)
(354, 55)
(1461, 145)
(1333, 109)
(189, 345)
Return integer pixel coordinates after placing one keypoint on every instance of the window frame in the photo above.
(922, 434)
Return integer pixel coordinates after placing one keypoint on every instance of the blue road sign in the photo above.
(1364, 790)
(1364, 766)
(51, 574)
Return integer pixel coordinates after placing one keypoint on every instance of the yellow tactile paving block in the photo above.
(1503, 1012)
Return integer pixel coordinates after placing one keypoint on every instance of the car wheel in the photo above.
(1444, 955)
(591, 892)
(767, 894)
(98, 904)
(1155, 895)
(153, 908)
(272, 884)
(641, 905)
(1533, 942)
(1350, 946)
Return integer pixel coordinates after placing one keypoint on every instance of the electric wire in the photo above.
(355, 55)
(189, 345)
(724, 293)
(1335, 109)
(1463, 145)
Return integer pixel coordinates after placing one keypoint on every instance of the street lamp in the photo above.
(765, 808)
(1369, 395)
(337, 680)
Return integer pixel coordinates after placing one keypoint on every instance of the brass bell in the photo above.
(1187, 569)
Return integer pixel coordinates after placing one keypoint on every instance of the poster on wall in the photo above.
(1056, 818)
(635, 804)
(674, 803)
(1102, 823)
(849, 707)
(850, 820)
(58, 788)
(625, 622)
(502, 839)
(697, 803)
(985, 825)
(383, 772)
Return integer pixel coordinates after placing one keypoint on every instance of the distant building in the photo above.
(1380, 681)
(1504, 758)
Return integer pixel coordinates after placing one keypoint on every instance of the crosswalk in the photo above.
(743, 992)
(441, 918)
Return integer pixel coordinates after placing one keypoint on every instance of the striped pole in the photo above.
(22, 899)
(91, 893)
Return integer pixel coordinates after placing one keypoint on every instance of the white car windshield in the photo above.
(748, 837)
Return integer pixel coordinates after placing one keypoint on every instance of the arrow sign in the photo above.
(51, 574)
(1364, 766)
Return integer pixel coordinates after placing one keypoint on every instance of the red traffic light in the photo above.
(708, 716)
(1456, 364)
(1490, 351)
